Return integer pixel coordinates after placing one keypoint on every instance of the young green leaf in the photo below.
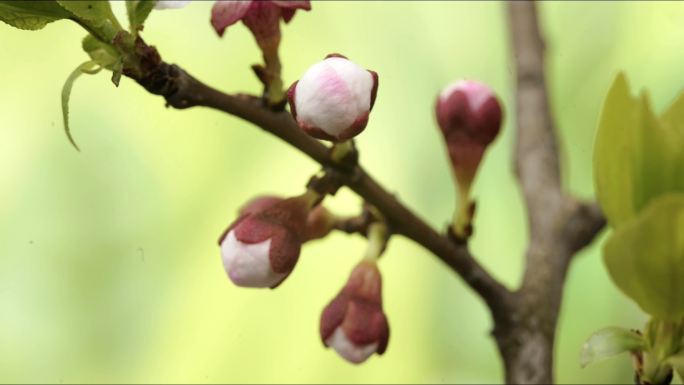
(31, 15)
(637, 156)
(673, 120)
(677, 362)
(614, 152)
(609, 342)
(645, 257)
(104, 54)
(674, 114)
(95, 16)
(89, 67)
(657, 153)
(138, 10)
(88, 10)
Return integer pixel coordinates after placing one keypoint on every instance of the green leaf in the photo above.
(673, 120)
(637, 156)
(88, 10)
(658, 157)
(95, 16)
(89, 67)
(31, 15)
(117, 71)
(677, 362)
(138, 11)
(609, 342)
(104, 54)
(613, 152)
(645, 257)
(674, 114)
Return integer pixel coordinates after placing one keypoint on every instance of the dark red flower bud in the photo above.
(262, 246)
(262, 17)
(354, 323)
(319, 223)
(469, 116)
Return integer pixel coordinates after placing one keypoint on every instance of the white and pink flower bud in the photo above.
(262, 17)
(354, 324)
(261, 248)
(333, 99)
(469, 116)
(171, 4)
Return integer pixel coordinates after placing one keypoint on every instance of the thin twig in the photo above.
(183, 91)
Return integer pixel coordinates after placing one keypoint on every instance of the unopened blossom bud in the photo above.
(354, 323)
(319, 224)
(469, 116)
(262, 17)
(262, 246)
(333, 98)
(258, 204)
(170, 4)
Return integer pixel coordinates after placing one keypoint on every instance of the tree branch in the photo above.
(525, 321)
(183, 91)
(559, 224)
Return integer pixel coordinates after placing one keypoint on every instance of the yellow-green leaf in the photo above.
(137, 11)
(637, 156)
(88, 10)
(89, 67)
(677, 362)
(609, 342)
(96, 16)
(614, 165)
(31, 15)
(104, 54)
(673, 120)
(645, 257)
(658, 150)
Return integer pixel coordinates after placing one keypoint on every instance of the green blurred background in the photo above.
(109, 268)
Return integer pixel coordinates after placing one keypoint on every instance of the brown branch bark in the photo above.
(524, 321)
(183, 91)
(559, 225)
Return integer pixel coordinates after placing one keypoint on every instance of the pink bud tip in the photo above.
(261, 248)
(469, 116)
(262, 17)
(333, 98)
(354, 323)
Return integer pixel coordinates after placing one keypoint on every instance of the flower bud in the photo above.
(354, 323)
(262, 17)
(258, 204)
(469, 116)
(262, 246)
(333, 98)
(319, 224)
(170, 4)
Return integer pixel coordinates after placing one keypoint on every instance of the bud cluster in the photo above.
(332, 101)
(261, 248)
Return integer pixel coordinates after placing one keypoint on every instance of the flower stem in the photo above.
(377, 241)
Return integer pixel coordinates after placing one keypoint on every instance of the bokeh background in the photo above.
(109, 268)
